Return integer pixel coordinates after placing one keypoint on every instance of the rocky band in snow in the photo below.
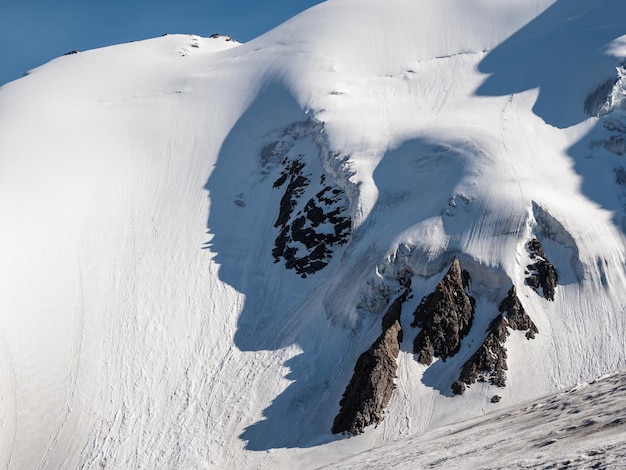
(372, 383)
(313, 215)
(445, 317)
(489, 361)
(308, 236)
(541, 273)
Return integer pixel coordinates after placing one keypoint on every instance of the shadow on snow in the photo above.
(281, 309)
(531, 59)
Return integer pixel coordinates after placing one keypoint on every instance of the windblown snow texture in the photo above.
(201, 237)
(580, 427)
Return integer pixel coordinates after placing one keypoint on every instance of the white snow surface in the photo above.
(581, 427)
(143, 321)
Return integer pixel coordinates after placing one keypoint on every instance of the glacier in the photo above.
(159, 309)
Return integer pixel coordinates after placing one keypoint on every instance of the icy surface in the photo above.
(144, 321)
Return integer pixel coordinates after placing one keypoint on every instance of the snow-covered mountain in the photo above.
(418, 206)
(580, 427)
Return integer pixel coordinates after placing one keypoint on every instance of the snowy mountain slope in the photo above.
(356, 146)
(581, 427)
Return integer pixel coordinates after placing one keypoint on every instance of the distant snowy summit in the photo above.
(225, 37)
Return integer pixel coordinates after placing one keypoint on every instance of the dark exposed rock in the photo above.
(372, 383)
(314, 213)
(615, 125)
(616, 144)
(225, 36)
(620, 176)
(305, 246)
(424, 354)
(516, 316)
(240, 200)
(495, 398)
(445, 317)
(607, 97)
(490, 358)
(489, 361)
(597, 103)
(458, 387)
(541, 274)
(296, 185)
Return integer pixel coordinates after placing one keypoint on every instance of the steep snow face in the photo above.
(199, 236)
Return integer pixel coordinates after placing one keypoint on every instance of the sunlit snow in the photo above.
(144, 321)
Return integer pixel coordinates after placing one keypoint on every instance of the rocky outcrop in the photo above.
(616, 142)
(225, 36)
(369, 391)
(515, 315)
(489, 361)
(313, 215)
(541, 273)
(609, 96)
(308, 232)
(598, 103)
(445, 317)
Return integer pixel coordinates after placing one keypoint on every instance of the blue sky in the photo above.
(33, 32)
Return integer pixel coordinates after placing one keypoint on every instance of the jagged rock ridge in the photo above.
(489, 361)
(372, 383)
(541, 274)
(445, 317)
(609, 96)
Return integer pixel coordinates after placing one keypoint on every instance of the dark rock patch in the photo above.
(598, 102)
(225, 36)
(295, 188)
(616, 144)
(620, 176)
(496, 399)
(541, 273)
(516, 316)
(615, 125)
(445, 317)
(303, 242)
(458, 387)
(372, 384)
(489, 361)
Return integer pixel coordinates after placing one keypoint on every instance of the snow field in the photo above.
(143, 321)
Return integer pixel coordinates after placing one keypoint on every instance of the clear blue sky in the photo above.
(33, 32)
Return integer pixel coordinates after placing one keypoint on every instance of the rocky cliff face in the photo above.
(541, 274)
(445, 317)
(372, 383)
(489, 361)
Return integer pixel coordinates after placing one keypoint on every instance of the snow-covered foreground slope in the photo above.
(581, 427)
(199, 237)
